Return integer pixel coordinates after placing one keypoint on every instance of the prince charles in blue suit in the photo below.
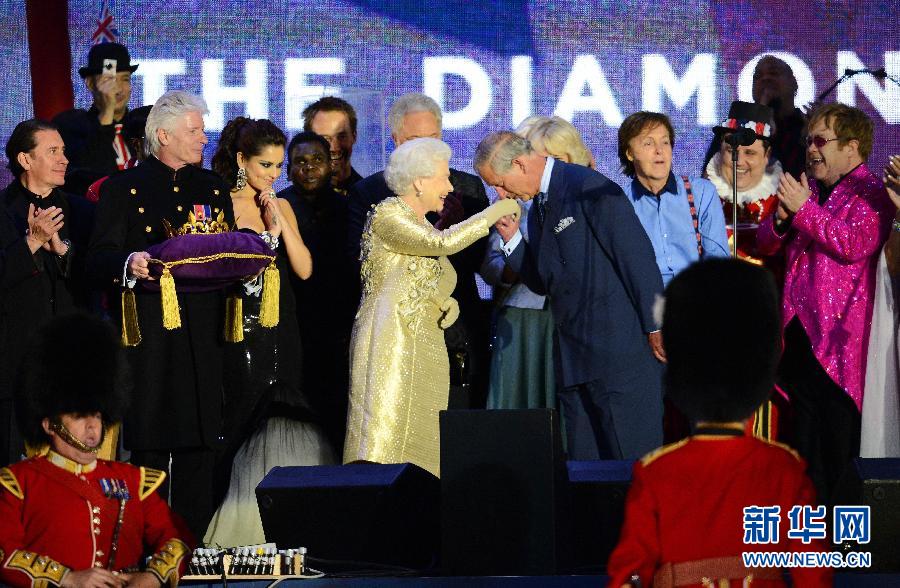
(588, 252)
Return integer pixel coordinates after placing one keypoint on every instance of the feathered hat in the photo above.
(759, 118)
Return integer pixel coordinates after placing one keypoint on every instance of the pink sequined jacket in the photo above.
(829, 284)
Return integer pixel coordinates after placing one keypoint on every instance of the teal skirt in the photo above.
(522, 360)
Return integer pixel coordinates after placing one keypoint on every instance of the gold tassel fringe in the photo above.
(171, 313)
(268, 311)
(234, 318)
(131, 330)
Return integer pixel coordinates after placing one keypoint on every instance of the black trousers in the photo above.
(826, 424)
(191, 483)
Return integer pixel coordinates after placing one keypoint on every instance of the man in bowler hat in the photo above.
(94, 141)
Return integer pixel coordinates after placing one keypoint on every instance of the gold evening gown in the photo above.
(399, 371)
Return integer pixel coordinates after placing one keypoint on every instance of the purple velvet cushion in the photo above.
(226, 265)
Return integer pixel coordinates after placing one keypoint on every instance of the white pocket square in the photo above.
(563, 224)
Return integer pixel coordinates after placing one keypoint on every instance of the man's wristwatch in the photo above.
(68, 245)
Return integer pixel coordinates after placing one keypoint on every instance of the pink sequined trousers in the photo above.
(830, 256)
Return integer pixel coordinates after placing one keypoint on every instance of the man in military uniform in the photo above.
(176, 419)
(684, 510)
(66, 517)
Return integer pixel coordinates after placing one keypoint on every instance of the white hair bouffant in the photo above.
(410, 104)
(165, 113)
(412, 160)
(529, 123)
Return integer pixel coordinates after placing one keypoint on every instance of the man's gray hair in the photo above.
(409, 104)
(497, 151)
(412, 160)
(166, 111)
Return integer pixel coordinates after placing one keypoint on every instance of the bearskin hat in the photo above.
(722, 335)
(74, 364)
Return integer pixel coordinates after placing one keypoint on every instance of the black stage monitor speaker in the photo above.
(502, 492)
(366, 512)
(874, 483)
(597, 492)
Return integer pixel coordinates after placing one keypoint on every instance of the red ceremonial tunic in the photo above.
(55, 517)
(686, 503)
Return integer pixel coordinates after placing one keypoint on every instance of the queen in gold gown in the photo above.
(399, 370)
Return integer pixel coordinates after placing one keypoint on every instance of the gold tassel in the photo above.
(234, 318)
(268, 311)
(171, 313)
(131, 330)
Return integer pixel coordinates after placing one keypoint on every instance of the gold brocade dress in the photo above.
(399, 370)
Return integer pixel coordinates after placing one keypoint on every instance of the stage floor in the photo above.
(840, 581)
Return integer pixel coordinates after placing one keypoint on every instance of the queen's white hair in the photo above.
(166, 111)
(412, 160)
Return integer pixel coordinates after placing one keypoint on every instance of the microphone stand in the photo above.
(831, 88)
(878, 74)
(734, 201)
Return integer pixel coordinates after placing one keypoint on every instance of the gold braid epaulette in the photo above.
(43, 571)
(657, 453)
(150, 481)
(784, 446)
(8, 480)
(164, 563)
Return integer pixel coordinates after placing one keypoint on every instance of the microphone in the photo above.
(878, 74)
(741, 138)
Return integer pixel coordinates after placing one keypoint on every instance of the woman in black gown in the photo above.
(266, 417)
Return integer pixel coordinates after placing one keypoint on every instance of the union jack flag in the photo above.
(106, 31)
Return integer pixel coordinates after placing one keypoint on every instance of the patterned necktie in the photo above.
(123, 155)
(541, 206)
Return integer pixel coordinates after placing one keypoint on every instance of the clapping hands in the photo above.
(43, 226)
(791, 194)
(892, 179)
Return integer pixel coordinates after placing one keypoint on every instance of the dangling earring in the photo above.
(241, 180)
(418, 193)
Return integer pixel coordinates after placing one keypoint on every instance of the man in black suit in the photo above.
(413, 116)
(38, 223)
(327, 300)
(175, 422)
(588, 252)
(335, 120)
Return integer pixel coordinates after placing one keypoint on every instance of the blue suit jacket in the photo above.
(594, 260)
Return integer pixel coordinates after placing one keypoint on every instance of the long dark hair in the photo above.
(246, 136)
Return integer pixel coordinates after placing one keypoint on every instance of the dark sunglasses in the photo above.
(818, 141)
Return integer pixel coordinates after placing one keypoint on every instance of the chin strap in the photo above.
(57, 427)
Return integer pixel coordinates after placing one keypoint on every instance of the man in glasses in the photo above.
(832, 226)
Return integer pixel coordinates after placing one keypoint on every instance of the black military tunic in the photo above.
(177, 399)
